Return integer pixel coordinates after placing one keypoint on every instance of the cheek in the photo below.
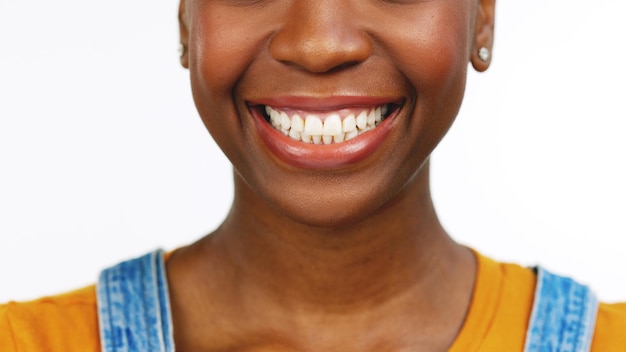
(217, 60)
(429, 44)
(432, 53)
(217, 56)
(430, 47)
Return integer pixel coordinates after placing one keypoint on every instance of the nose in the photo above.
(318, 36)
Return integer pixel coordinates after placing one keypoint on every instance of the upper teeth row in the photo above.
(309, 127)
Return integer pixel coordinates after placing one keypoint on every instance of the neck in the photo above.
(400, 249)
(263, 278)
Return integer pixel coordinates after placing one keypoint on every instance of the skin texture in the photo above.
(349, 258)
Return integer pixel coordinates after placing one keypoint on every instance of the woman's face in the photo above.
(329, 108)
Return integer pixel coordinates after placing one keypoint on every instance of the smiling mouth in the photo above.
(326, 127)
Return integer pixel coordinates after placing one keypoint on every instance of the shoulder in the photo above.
(610, 332)
(513, 305)
(66, 322)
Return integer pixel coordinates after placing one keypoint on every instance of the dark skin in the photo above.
(349, 258)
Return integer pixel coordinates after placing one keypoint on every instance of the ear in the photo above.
(184, 35)
(483, 34)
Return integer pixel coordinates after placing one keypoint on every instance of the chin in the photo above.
(333, 209)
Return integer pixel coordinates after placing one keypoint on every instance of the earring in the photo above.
(182, 49)
(483, 54)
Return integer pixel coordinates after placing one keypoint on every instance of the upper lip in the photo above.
(324, 103)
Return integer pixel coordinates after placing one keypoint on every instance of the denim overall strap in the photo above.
(133, 306)
(563, 316)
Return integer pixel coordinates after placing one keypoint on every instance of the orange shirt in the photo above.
(68, 322)
(497, 319)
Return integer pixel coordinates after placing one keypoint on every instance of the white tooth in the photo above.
(284, 131)
(327, 139)
(339, 138)
(378, 115)
(297, 124)
(371, 118)
(317, 139)
(268, 110)
(271, 112)
(305, 137)
(332, 125)
(351, 135)
(349, 123)
(384, 110)
(361, 120)
(275, 118)
(313, 126)
(294, 134)
(285, 121)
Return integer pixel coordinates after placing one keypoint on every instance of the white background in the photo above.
(103, 157)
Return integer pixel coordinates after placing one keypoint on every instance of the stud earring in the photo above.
(182, 49)
(483, 54)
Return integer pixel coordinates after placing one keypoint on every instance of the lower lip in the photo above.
(317, 156)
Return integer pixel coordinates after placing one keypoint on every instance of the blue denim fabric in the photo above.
(133, 306)
(134, 310)
(563, 316)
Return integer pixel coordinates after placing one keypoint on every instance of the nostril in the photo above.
(344, 66)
